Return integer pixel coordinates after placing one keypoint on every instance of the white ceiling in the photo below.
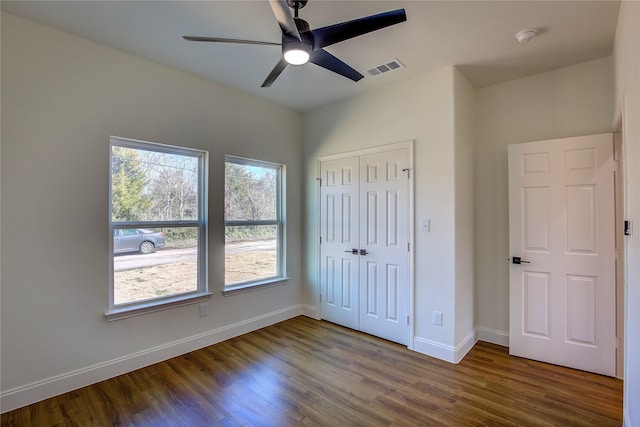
(477, 36)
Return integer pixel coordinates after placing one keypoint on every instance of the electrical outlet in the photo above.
(437, 318)
(203, 309)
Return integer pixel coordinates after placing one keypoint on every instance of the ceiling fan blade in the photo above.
(273, 75)
(285, 19)
(223, 40)
(324, 59)
(331, 34)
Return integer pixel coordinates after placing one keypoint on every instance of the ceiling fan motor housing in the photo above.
(297, 4)
(297, 52)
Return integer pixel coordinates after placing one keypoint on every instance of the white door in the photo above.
(339, 215)
(384, 231)
(364, 230)
(561, 226)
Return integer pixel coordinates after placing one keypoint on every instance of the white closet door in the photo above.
(384, 250)
(339, 233)
(364, 252)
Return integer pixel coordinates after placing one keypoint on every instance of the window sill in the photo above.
(251, 286)
(153, 306)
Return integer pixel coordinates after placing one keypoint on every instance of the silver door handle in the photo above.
(363, 252)
(353, 251)
(518, 260)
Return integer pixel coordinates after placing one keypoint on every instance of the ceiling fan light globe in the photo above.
(296, 56)
(296, 53)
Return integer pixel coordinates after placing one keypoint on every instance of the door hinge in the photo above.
(320, 239)
(320, 181)
(408, 171)
(408, 247)
(320, 298)
(408, 321)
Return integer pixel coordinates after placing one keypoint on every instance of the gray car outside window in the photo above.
(137, 240)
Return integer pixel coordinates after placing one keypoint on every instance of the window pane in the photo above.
(250, 192)
(153, 186)
(250, 253)
(153, 263)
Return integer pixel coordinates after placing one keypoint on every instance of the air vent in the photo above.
(386, 67)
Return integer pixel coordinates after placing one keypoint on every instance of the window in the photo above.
(158, 227)
(254, 229)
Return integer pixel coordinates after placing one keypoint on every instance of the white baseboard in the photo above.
(493, 336)
(443, 351)
(311, 311)
(40, 390)
(465, 346)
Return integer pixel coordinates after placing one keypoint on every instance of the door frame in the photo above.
(620, 192)
(411, 233)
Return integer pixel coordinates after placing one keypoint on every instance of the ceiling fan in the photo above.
(300, 44)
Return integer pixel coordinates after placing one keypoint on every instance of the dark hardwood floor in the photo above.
(307, 372)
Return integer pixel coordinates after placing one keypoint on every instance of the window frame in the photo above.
(201, 293)
(279, 222)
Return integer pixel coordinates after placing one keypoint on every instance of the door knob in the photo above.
(363, 252)
(518, 260)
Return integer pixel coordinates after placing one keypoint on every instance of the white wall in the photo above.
(571, 101)
(62, 97)
(465, 136)
(422, 110)
(627, 101)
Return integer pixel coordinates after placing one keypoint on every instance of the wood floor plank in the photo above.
(304, 372)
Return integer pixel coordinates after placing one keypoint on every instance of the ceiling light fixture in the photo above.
(296, 53)
(525, 35)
